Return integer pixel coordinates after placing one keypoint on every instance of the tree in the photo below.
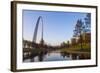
(73, 41)
(87, 27)
(63, 44)
(68, 44)
(79, 29)
(87, 22)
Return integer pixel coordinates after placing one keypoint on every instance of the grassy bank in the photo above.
(77, 48)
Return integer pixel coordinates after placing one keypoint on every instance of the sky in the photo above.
(58, 26)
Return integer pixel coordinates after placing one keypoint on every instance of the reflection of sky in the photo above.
(58, 26)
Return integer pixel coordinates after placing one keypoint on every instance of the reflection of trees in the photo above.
(41, 56)
(74, 56)
(84, 56)
(64, 54)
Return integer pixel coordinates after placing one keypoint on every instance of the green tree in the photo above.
(79, 29)
(87, 27)
(68, 44)
(88, 22)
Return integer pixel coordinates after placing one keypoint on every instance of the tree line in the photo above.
(81, 32)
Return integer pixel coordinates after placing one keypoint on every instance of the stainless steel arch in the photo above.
(36, 29)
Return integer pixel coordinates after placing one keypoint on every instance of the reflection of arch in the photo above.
(36, 30)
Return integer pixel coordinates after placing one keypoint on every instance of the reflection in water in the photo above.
(55, 56)
(72, 56)
(41, 56)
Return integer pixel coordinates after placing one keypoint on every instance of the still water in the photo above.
(52, 56)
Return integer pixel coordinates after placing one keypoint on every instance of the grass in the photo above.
(77, 48)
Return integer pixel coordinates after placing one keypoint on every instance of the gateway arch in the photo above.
(36, 30)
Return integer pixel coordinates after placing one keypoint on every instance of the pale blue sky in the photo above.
(58, 26)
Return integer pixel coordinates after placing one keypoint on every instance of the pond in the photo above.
(52, 56)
